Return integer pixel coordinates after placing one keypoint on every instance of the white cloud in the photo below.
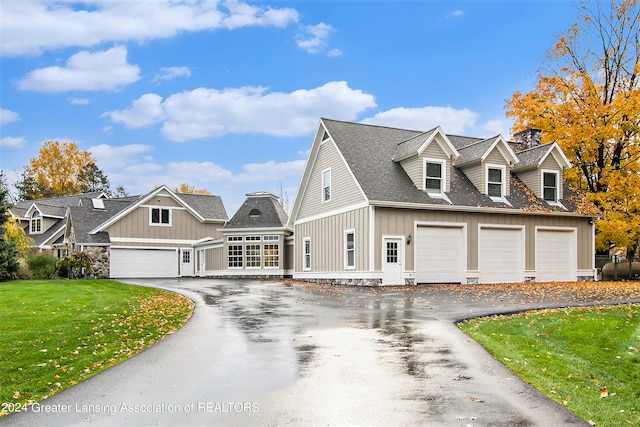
(144, 111)
(313, 38)
(168, 73)
(33, 26)
(103, 70)
(134, 167)
(79, 101)
(333, 53)
(110, 157)
(209, 113)
(451, 120)
(456, 12)
(11, 142)
(498, 126)
(7, 116)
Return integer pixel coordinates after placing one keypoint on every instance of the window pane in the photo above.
(433, 184)
(165, 216)
(155, 216)
(434, 170)
(392, 252)
(326, 185)
(550, 194)
(550, 180)
(495, 190)
(495, 175)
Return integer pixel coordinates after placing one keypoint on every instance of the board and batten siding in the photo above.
(414, 166)
(184, 226)
(389, 221)
(344, 189)
(327, 241)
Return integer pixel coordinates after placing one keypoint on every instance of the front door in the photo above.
(392, 261)
(186, 262)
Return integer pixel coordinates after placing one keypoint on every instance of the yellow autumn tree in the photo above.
(55, 171)
(587, 98)
(191, 189)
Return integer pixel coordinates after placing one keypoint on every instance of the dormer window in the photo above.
(434, 176)
(550, 186)
(35, 223)
(496, 181)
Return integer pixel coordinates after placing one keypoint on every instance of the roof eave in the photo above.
(479, 209)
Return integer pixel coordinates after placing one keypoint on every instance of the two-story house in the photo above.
(381, 205)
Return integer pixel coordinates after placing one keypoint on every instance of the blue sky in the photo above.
(226, 95)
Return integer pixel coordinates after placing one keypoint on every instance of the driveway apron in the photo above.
(270, 353)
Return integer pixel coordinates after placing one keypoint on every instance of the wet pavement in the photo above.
(270, 353)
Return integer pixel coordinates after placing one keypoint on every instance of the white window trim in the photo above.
(323, 187)
(503, 189)
(32, 220)
(443, 177)
(160, 224)
(306, 267)
(555, 202)
(346, 250)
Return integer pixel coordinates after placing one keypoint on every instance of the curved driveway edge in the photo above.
(267, 353)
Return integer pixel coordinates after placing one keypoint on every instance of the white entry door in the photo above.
(186, 262)
(392, 261)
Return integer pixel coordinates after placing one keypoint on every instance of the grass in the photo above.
(56, 333)
(584, 358)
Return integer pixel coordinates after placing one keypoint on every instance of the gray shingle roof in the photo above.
(531, 157)
(410, 146)
(473, 152)
(85, 218)
(259, 210)
(21, 207)
(209, 207)
(369, 151)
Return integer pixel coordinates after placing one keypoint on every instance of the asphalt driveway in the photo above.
(265, 353)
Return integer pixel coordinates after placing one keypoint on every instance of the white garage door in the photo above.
(144, 263)
(501, 255)
(441, 255)
(556, 258)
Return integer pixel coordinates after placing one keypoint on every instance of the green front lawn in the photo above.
(584, 358)
(56, 333)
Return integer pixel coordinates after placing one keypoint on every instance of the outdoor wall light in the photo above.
(409, 239)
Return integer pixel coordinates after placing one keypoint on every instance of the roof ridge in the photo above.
(372, 125)
(416, 136)
(478, 142)
(532, 148)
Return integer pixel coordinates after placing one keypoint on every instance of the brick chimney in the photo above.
(526, 139)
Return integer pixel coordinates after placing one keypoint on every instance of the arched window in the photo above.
(36, 223)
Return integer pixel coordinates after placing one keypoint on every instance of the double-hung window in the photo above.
(253, 256)
(495, 182)
(160, 216)
(550, 186)
(326, 185)
(434, 176)
(349, 249)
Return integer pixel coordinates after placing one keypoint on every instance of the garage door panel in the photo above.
(556, 258)
(501, 255)
(143, 263)
(440, 254)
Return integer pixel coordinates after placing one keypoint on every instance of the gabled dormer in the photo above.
(487, 163)
(427, 159)
(541, 169)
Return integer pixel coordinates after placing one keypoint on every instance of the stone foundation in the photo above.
(100, 261)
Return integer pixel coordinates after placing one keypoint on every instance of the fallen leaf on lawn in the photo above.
(603, 392)
(475, 399)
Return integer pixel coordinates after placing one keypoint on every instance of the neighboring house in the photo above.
(44, 220)
(143, 236)
(380, 205)
(255, 242)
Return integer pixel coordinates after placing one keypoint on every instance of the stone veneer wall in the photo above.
(100, 257)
